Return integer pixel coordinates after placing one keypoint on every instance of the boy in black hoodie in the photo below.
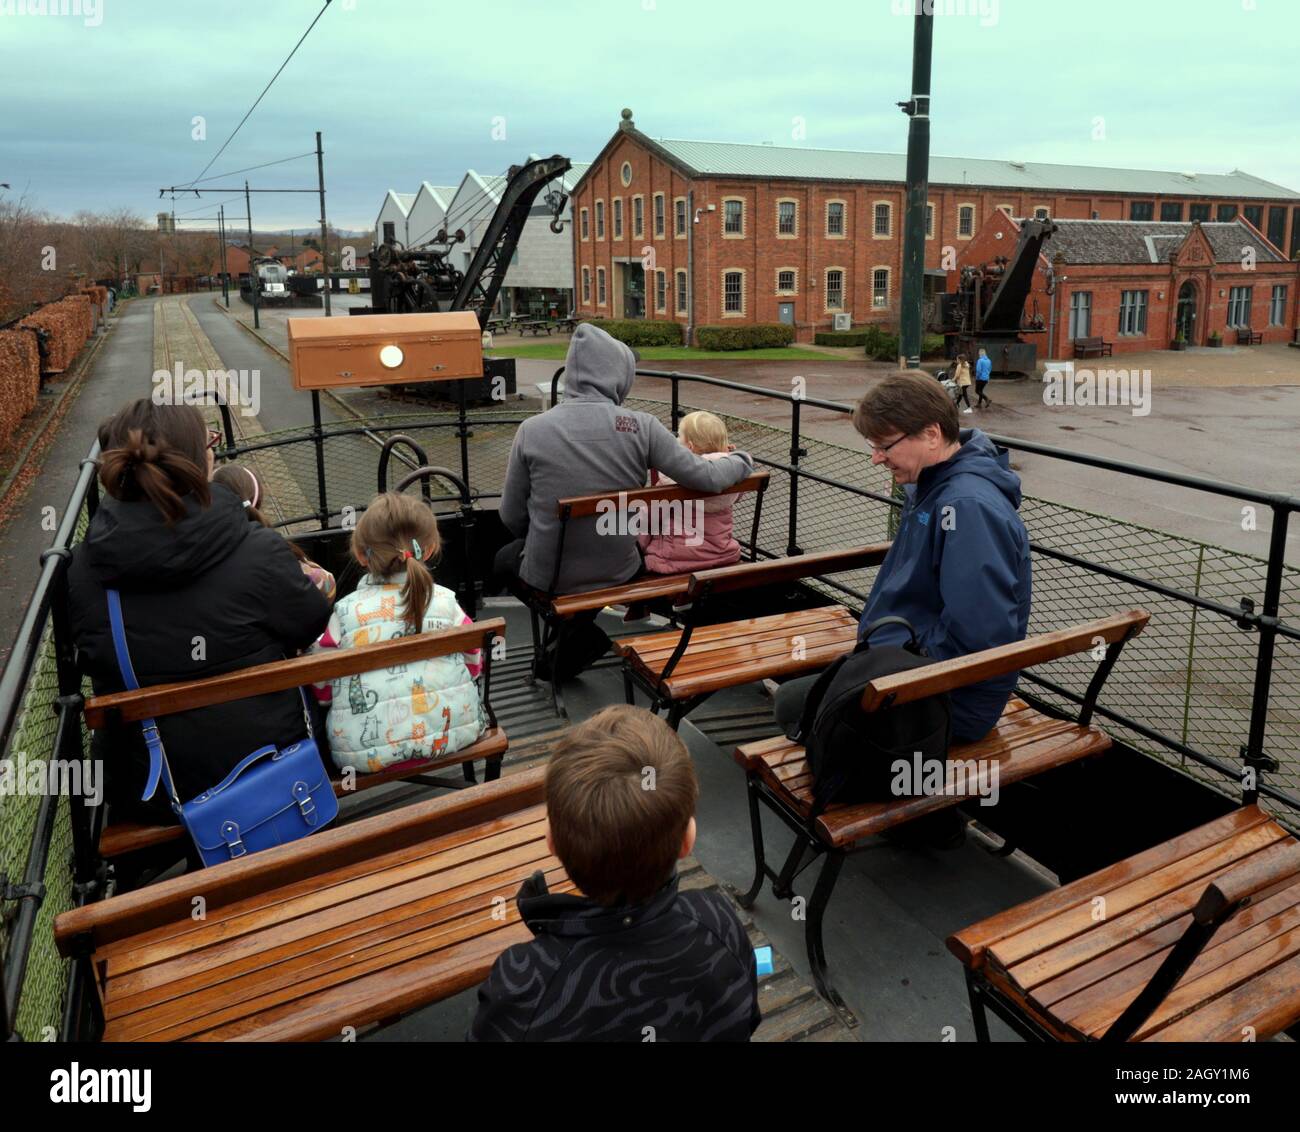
(634, 959)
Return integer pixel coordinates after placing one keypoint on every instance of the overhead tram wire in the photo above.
(234, 172)
(482, 204)
(260, 96)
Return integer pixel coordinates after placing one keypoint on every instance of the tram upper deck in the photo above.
(1201, 709)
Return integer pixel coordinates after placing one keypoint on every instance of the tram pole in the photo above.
(324, 239)
(918, 164)
(252, 272)
(225, 267)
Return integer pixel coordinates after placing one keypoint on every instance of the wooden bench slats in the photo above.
(1267, 1004)
(764, 644)
(1093, 1010)
(129, 837)
(1072, 991)
(971, 944)
(1044, 950)
(658, 646)
(582, 506)
(639, 589)
(185, 932)
(778, 571)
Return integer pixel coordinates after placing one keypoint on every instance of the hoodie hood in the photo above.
(128, 546)
(598, 367)
(977, 456)
(563, 914)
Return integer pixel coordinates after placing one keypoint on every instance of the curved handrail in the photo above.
(386, 452)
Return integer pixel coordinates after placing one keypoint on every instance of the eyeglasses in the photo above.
(214, 438)
(883, 448)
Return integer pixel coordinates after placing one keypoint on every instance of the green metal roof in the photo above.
(734, 159)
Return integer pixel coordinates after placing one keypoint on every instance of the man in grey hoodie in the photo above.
(590, 443)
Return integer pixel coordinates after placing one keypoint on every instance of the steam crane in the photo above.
(988, 309)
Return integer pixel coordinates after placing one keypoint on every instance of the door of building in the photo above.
(1185, 320)
(785, 313)
(633, 290)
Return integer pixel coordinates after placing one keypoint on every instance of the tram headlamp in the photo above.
(391, 357)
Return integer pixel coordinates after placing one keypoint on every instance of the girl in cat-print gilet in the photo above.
(411, 711)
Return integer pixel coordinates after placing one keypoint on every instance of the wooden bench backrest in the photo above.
(777, 571)
(945, 675)
(277, 676)
(224, 884)
(582, 506)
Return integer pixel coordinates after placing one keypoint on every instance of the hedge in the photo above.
(882, 343)
(70, 322)
(745, 336)
(641, 332)
(20, 379)
(840, 337)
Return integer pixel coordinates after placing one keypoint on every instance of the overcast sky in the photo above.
(99, 107)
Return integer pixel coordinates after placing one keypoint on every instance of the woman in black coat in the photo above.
(204, 592)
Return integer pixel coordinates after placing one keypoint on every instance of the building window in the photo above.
(1133, 312)
(1080, 314)
(1255, 214)
(929, 222)
(661, 291)
(835, 218)
(1007, 209)
(679, 217)
(586, 232)
(626, 172)
(600, 286)
(586, 284)
(1277, 306)
(1171, 210)
(785, 281)
(600, 220)
(1141, 210)
(681, 292)
(880, 288)
(884, 220)
(1198, 212)
(1239, 306)
(1042, 212)
(638, 217)
(1276, 225)
(834, 289)
(787, 219)
(1227, 212)
(966, 221)
(659, 214)
(733, 292)
(618, 218)
(733, 217)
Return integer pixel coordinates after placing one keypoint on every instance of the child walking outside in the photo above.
(983, 371)
(411, 711)
(961, 375)
(244, 483)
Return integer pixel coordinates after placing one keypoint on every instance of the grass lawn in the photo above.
(557, 350)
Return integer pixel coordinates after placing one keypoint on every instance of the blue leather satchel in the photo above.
(272, 797)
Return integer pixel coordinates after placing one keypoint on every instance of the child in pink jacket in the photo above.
(700, 536)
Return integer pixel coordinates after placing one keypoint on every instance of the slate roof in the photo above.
(705, 158)
(1151, 241)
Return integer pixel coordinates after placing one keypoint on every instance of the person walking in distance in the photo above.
(983, 371)
(961, 375)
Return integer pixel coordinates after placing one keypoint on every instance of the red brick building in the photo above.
(705, 233)
(1138, 284)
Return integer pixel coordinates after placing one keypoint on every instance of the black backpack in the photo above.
(851, 753)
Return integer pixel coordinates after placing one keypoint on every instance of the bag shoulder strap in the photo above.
(158, 768)
(813, 701)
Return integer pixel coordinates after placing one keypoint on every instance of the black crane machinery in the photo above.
(424, 278)
(987, 311)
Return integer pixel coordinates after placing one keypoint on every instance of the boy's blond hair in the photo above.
(705, 431)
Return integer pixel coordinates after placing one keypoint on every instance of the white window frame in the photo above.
(638, 223)
(586, 284)
(680, 294)
(787, 235)
(584, 222)
(686, 218)
(616, 218)
(661, 290)
(1241, 304)
(1132, 312)
(844, 215)
(929, 220)
(1277, 305)
(889, 286)
(602, 290)
(960, 209)
(826, 289)
(1007, 209)
(733, 235)
(889, 220)
(1075, 309)
(625, 173)
(1047, 215)
(600, 218)
(743, 304)
(659, 216)
(794, 289)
